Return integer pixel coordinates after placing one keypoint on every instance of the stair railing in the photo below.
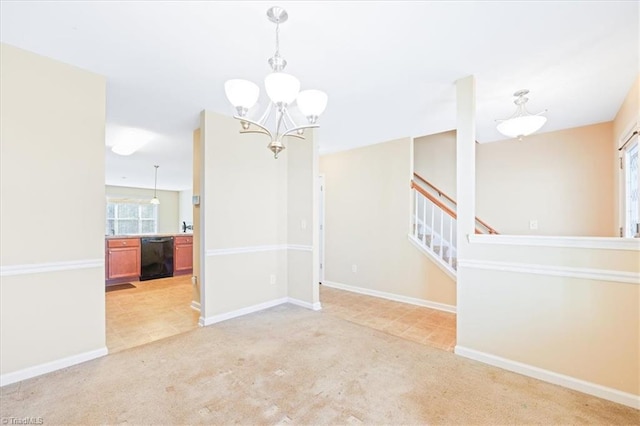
(481, 226)
(434, 227)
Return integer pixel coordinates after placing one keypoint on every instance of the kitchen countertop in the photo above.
(181, 234)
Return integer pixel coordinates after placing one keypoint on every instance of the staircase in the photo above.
(434, 224)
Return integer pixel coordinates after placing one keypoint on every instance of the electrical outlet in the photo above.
(354, 268)
(533, 224)
(272, 279)
(194, 280)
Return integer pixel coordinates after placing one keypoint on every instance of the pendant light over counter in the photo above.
(155, 199)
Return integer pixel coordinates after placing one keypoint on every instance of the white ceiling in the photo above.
(388, 67)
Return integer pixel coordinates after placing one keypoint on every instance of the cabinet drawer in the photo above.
(123, 242)
(183, 240)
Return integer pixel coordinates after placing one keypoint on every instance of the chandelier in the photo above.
(283, 89)
(522, 122)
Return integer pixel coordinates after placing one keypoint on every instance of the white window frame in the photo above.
(118, 201)
(630, 208)
(628, 144)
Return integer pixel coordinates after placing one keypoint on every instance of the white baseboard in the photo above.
(195, 305)
(391, 296)
(48, 367)
(243, 311)
(203, 322)
(313, 306)
(599, 391)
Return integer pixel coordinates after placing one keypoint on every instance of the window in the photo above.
(632, 180)
(126, 217)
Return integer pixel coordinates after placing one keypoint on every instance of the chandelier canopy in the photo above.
(282, 89)
(522, 122)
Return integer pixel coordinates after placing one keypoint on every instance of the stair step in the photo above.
(425, 241)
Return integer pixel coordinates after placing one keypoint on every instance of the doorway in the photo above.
(155, 296)
(146, 311)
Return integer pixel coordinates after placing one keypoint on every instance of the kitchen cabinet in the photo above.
(122, 259)
(183, 255)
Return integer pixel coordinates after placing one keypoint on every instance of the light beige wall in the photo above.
(581, 327)
(562, 179)
(52, 120)
(367, 214)
(168, 209)
(628, 114)
(435, 160)
(245, 207)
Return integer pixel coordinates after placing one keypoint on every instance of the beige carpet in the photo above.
(292, 365)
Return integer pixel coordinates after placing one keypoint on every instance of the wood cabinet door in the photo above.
(124, 262)
(183, 259)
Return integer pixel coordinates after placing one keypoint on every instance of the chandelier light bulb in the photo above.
(242, 94)
(312, 103)
(282, 88)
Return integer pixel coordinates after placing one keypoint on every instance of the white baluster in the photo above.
(450, 240)
(441, 232)
(424, 221)
(433, 215)
(415, 216)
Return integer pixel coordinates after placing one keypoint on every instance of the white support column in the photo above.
(466, 193)
(465, 162)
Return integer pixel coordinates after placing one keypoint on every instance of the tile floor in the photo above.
(155, 309)
(423, 325)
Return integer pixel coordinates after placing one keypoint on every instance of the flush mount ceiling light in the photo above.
(522, 123)
(127, 140)
(155, 199)
(283, 89)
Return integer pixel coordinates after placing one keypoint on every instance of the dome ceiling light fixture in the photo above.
(283, 89)
(522, 123)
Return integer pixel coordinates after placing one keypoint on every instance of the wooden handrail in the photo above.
(435, 188)
(490, 229)
(439, 204)
(434, 200)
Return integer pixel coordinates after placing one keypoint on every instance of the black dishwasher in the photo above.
(156, 258)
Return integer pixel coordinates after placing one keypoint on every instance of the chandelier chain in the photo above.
(278, 39)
